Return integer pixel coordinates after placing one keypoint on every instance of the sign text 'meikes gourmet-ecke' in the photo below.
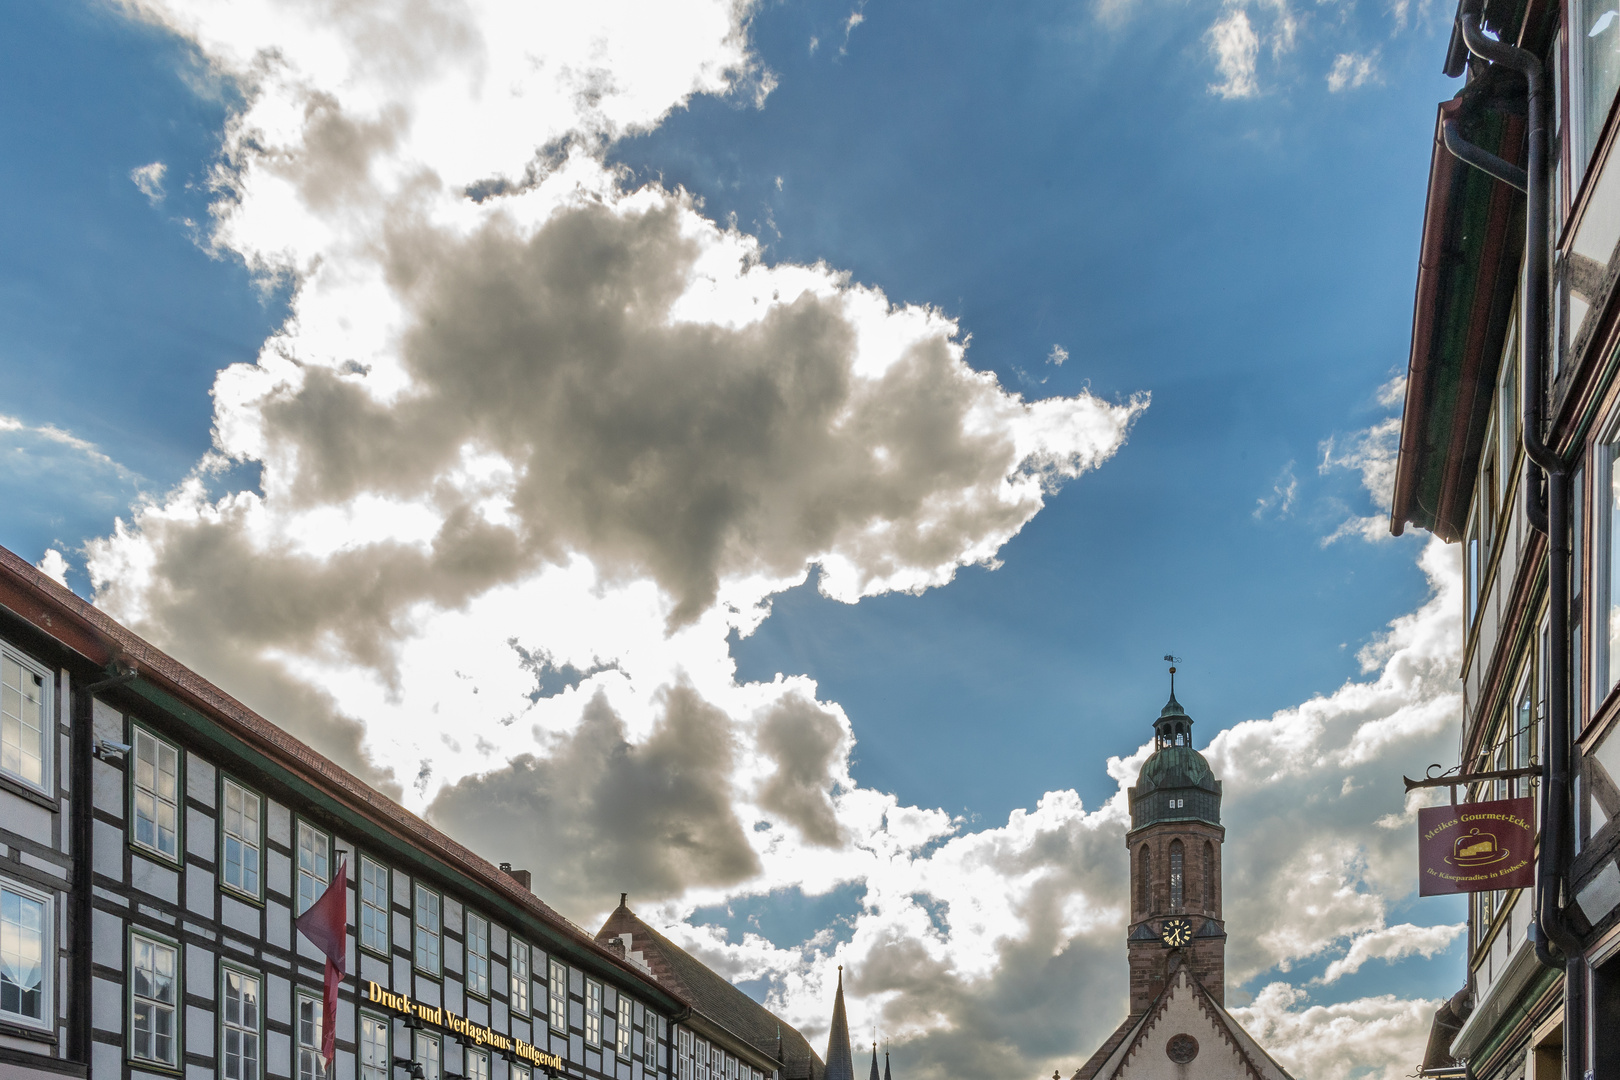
(1476, 847)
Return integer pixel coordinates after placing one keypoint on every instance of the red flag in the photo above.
(326, 924)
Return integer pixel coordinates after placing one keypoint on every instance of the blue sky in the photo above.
(1047, 175)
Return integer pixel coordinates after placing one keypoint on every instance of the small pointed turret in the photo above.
(840, 1062)
(874, 1062)
(886, 1075)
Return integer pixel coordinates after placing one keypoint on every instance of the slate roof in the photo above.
(714, 997)
(840, 1062)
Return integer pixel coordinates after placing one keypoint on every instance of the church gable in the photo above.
(1187, 1036)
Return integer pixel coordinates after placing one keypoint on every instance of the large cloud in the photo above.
(533, 445)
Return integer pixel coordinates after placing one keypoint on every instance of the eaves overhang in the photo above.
(1473, 239)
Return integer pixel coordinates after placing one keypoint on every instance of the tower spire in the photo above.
(840, 1062)
(886, 1075)
(874, 1062)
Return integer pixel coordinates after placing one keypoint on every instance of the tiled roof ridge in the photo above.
(1106, 1050)
(624, 920)
(121, 641)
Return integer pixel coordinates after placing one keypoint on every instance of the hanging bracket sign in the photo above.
(1476, 847)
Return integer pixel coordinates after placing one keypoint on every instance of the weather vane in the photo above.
(1172, 661)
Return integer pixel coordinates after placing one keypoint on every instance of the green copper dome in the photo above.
(1176, 783)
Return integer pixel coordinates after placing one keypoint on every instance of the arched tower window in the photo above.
(1175, 875)
(1144, 870)
(1209, 877)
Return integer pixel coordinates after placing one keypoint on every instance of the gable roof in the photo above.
(1183, 1004)
(154, 678)
(714, 997)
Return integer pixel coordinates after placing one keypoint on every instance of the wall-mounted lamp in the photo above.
(412, 1068)
(108, 751)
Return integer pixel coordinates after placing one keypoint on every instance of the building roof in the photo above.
(1175, 768)
(1473, 236)
(1144, 1044)
(840, 1062)
(213, 715)
(714, 997)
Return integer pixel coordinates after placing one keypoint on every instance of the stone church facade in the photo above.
(1178, 1027)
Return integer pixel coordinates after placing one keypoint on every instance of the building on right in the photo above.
(1510, 449)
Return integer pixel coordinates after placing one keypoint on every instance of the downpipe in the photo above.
(1556, 943)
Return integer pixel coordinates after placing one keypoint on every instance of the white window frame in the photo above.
(226, 836)
(1588, 130)
(310, 1065)
(319, 873)
(593, 1013)
(521, 1072)
(683, 1055)
(46, 1020)
(363, 1046)
(373, 918)
(47, 733)
(476, 1064)
(421, 935)
(623, 1027)
(477, 943)
(700, 1054)
(557, 996)
(1603, 639)
(424, 1046)
(227, 1027)
(176, 1007)
(518, 994)
(140, 736)
(649, 1036)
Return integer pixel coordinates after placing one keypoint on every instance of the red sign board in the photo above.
(1476, 847)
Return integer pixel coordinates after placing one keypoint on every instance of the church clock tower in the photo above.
(1175, 845)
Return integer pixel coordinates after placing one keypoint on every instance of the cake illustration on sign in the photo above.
(1477, 848)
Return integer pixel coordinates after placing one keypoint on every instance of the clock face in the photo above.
(1176, 933)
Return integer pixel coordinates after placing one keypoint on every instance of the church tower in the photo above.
(1175, 845)
(1178, 1027)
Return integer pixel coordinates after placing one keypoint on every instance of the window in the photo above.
(157, 795)
(1524, 735)
(25, 938)
(649, 1038)
(25, 742)
(1209, 877)
(557, 996)
(701, 1055)
(373, 905)
(717, 1063)
(621, 1032)
(311, 1066)
(154, 997)
(1146, 878)
(518, 966)
(427, 930)
(240, 826)
(1596, 48)
(521, 1072)
(731, 1068)
(314, 864)
(477, 1065)
(427, 1054)
(477, 955)
(593, 1012)
(374, 1054)
(1507, 413)
(683, 1055)
(1605, 606)
(1175, 875)
(1485, 493)
(1471, 573)
(239, 1025)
